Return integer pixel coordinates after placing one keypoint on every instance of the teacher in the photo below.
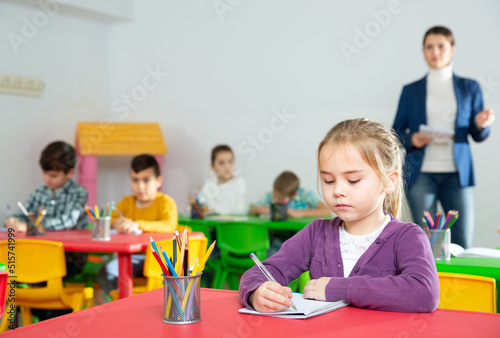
(438, 165)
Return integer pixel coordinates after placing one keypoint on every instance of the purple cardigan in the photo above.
(396, 273)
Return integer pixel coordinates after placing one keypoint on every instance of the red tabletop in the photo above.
(124, 244)
(142, 316)
(81, 240)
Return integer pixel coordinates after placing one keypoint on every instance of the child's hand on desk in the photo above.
(125, 225)
(294, 213)
(259, 210)
(16, 224)
(271, 297)
(315, 288)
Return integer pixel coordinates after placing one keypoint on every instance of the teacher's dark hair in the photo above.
(440, 30)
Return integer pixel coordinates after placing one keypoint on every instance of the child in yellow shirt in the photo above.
(147, 210)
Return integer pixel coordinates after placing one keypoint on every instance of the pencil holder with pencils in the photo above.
(181, 299)
(439, 233)
(279, 212)
(197, 210)
(34, 223)
(35, 228)
(440, 243)
(100, 228)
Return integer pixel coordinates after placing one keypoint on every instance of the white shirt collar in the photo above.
(444, 73)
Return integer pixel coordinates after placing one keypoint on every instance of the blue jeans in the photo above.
(445, 187)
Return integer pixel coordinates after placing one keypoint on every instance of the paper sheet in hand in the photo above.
(306, 308)
(435, 133)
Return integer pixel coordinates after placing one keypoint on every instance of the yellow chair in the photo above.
(38, 261)
(152, 271)
(467, 292)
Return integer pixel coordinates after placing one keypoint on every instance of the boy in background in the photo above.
(63, 199)
(147, 210)
(300, 203)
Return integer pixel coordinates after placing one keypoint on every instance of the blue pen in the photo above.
(170, 266)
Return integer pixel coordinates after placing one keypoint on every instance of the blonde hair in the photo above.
(378, 147)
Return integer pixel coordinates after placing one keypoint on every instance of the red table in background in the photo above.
(123, 244)
(142, 316)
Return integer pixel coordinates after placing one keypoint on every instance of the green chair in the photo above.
(236, 241)
(302, 280)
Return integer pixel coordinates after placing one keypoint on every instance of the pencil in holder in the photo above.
(440, 243)
(279, 212)
(100, 228)
(35, 230)
(181, 299)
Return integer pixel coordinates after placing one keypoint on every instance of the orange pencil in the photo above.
(87, 209)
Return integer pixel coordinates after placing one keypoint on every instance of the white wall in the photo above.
(231, 72)
(69, 53)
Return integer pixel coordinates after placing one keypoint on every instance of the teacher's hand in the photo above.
(418, 140)
(484, 118)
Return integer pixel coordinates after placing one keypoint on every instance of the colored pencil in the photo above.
(162, 266)
(205, 257)
(186, 256)
(96, 211)
(180, 270)
(153, 245)
(169, 264)
(174, 250)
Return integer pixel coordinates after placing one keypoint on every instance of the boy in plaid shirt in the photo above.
(63, 199)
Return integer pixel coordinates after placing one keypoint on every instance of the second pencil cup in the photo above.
(181, 299)
(440, 243)
(196, 211)
(279, 212)
(100, 229)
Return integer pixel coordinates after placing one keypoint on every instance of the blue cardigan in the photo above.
(411, 114)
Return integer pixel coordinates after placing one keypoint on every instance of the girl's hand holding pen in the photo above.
(271, 297)
(315, 288)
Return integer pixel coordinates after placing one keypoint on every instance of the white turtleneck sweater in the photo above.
(441, 107)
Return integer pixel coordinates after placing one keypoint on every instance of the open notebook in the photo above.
(306, 308)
